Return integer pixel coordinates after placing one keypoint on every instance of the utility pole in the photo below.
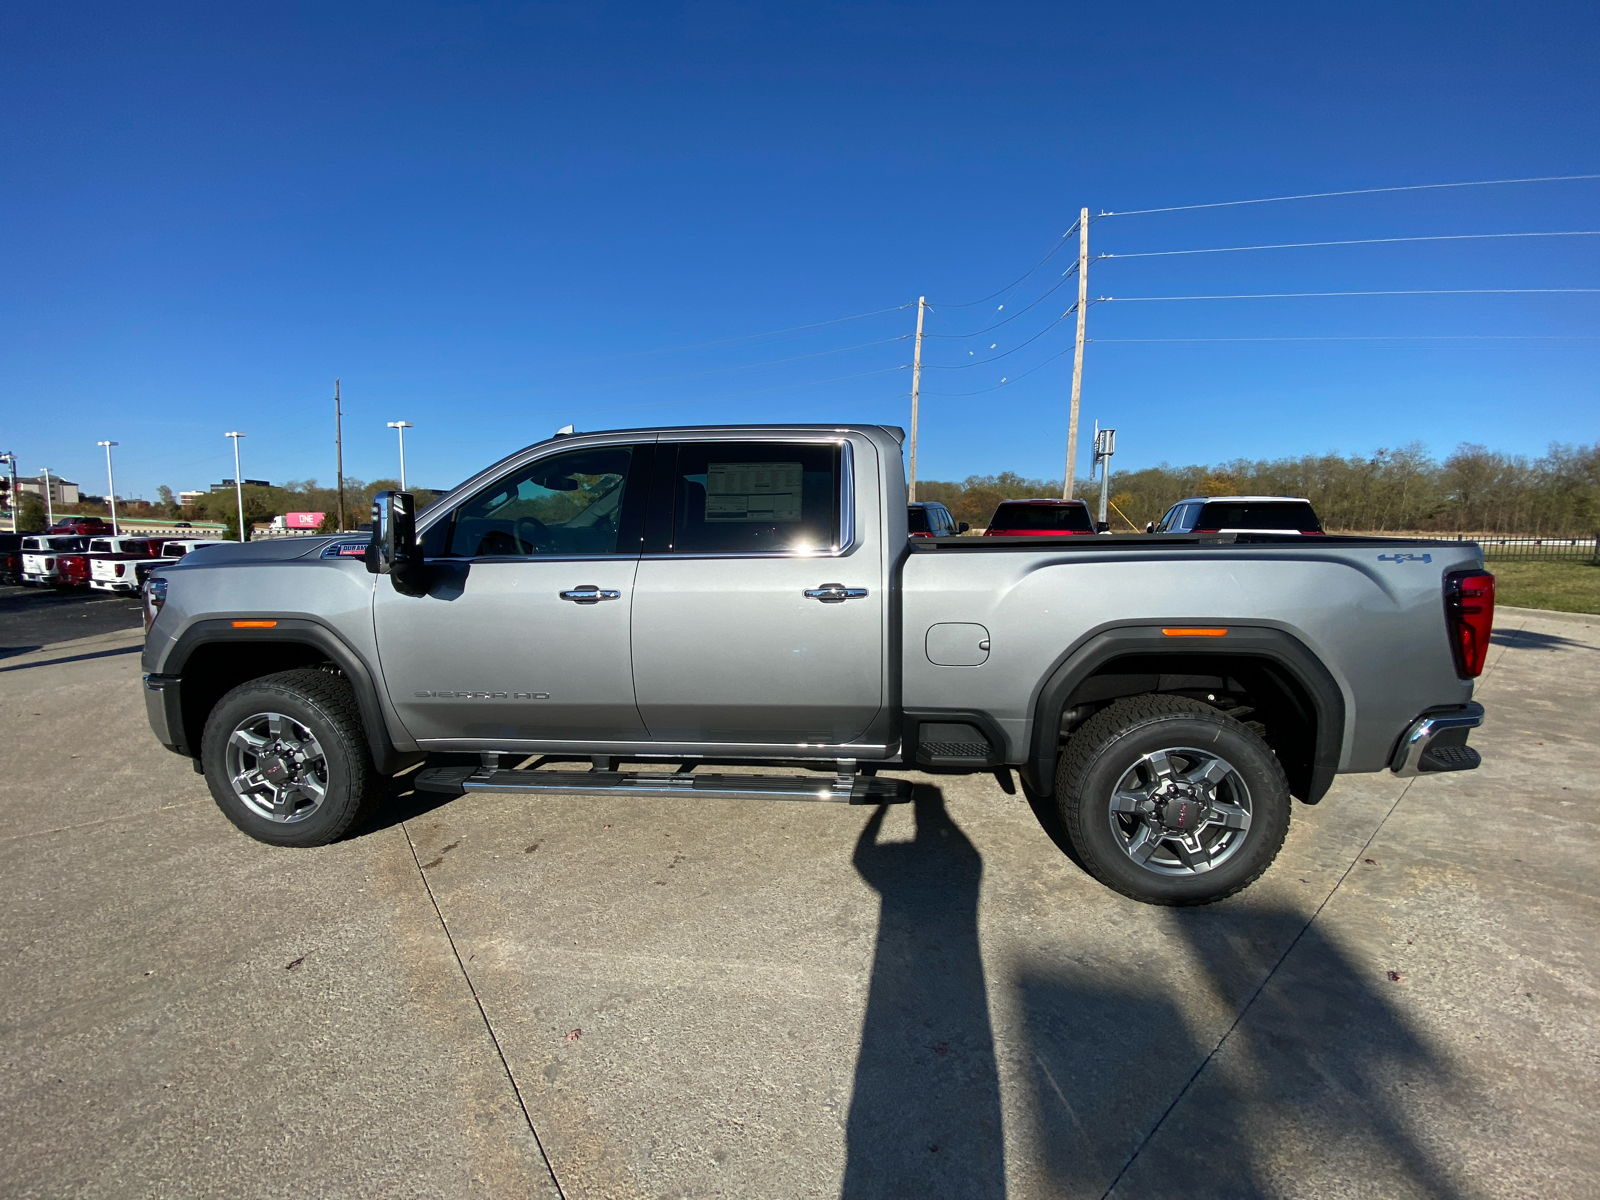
(400, 427)
(916, 385)
(338, 443)
(1105, 445)
(1077, 353)
(10, 460)
(238, 486)
(49, 504)
(111, 486)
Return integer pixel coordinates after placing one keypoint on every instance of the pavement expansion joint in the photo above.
(1244, 1009)
(483, 1013)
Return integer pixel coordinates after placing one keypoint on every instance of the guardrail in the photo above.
(1543, 549)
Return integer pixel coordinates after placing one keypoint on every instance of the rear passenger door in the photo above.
(757, 612)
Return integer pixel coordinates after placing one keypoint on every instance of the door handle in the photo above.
(587, 593)
(835, 593)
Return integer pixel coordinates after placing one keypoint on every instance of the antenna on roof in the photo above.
(566, 431)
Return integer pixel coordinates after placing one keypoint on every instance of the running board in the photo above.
(854, 789)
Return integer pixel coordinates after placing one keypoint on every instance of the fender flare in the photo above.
(305, 632)
(1275, 646)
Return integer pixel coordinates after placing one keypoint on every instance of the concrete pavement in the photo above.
(505, 995)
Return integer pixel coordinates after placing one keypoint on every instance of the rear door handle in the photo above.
(835, 593)
(587, 593)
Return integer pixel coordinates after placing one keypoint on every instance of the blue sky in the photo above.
(494, 219)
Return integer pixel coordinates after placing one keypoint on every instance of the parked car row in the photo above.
(68, 560)
(1068, 518)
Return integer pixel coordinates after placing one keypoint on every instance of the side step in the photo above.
(838, 789)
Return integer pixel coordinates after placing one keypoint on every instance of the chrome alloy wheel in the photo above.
(277, 767)
(1180, 811)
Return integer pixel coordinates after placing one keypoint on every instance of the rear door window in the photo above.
(1054, 518)
(917, 520)
(747, 498)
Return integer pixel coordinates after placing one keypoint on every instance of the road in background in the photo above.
(35, 617)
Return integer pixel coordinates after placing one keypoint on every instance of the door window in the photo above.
(747, 498)
(567, 505)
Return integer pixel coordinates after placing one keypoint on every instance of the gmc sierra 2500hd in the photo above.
(750, 595)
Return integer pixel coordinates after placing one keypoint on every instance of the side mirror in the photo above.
(393, 550)
(1102, 526)
(1149, 526)
(963, 527)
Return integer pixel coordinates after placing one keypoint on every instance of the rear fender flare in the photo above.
(1262, 643)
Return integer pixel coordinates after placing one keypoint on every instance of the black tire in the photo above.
(1185, 863)
(323, 706)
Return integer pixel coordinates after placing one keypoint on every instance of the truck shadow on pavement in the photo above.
(1322, 1077)
(1118, 1081)
(925, 1112)
(1527, 639)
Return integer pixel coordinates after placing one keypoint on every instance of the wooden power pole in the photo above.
(1077, 353)
(338, 445)
(916, 384)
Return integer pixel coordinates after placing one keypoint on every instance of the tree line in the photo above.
(1472, 490)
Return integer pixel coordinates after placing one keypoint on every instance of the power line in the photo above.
(1065, 277)
(1441, 237)
(1398, 292)
(1009, 381)
(1004, 353)
(1383, 337)
(1415, 187)
(1048, 256)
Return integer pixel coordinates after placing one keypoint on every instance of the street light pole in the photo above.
(10, 460)
(111, 486)
(400, 427)
(238, 485)
(49, 506)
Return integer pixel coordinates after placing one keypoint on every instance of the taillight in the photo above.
(121, 569)
(49, 564)
(1469, 611)
(1205, 531)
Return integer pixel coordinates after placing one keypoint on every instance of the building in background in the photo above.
(227, 485)
(187, 499)
(62, 491)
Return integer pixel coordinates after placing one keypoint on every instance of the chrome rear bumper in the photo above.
(1437, 742)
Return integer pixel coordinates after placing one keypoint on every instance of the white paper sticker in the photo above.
(767, 492)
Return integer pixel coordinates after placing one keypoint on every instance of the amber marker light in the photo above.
(255, 624)
(1188, 632)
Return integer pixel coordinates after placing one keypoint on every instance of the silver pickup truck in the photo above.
(676, 600)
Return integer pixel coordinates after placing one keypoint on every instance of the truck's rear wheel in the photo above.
(1169, 801)
(286, 759)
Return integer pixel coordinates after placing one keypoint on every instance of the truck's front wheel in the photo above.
(286, 760)
(1169, 801)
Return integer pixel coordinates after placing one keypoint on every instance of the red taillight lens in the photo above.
(1205, 531)
(121, 569)
(49, 564)
(1469, 610)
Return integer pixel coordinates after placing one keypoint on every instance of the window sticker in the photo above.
(768, 492)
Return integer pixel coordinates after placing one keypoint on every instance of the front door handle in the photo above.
(835, 593)
(587, 593)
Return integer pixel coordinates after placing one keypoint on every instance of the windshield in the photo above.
(1051, 518)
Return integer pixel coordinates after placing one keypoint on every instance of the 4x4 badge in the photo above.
(1428, 558)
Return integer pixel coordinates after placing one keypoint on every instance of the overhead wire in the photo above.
(1440, 237)
(1380, 337)
(1019, 279)
(1414, 187)
(1391, 292)
(1065, 277)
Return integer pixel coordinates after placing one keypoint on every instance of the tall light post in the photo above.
(49, 506)
(111, 486)
(10, 461)
(238, 484)
(400, 427)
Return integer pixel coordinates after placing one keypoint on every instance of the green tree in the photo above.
(168, 503)
(31, 514)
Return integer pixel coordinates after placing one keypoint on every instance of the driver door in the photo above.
(523, 635)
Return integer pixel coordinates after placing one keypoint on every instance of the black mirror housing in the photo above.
(393, 550)
(1102, 526)
(963, 527)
